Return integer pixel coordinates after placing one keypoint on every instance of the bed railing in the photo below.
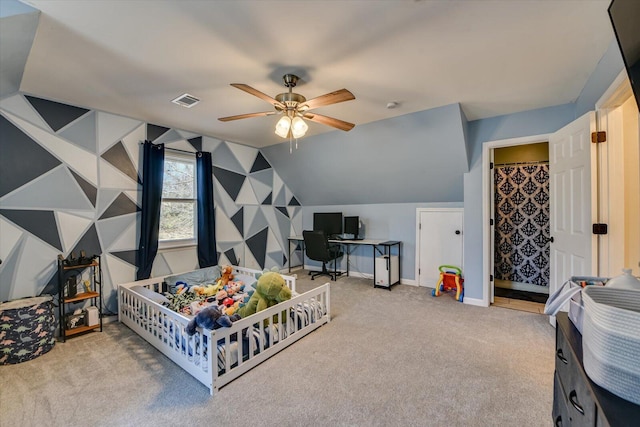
(272, 330)
(217, 357)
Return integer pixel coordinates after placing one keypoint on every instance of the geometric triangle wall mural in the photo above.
(87, 204)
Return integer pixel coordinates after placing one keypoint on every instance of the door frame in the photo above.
(487, 206)
(610, 157)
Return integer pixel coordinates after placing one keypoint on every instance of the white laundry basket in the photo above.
(611, 340)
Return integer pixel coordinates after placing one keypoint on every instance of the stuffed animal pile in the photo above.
(224, 293)
(226, 299)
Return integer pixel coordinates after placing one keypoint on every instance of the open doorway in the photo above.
(595, 183)
(521, 213)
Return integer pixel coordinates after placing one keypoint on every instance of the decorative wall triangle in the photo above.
(154, 131)
(16, 144)
(260, 163)
(56, 115)
(122, 205)
(41, 224)
(117, 156)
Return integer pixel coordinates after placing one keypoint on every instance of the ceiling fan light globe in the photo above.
(298, 127)
(283, 126)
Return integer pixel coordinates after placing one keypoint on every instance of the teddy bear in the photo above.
(227, 275)
(210, 318)
(271, 289)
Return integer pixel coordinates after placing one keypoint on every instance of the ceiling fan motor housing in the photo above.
(290, 99)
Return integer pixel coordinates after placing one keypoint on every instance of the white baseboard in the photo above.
(359, 275)
(474, 301)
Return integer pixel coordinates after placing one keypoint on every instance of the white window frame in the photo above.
(177, 243)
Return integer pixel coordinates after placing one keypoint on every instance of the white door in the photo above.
(573, 247)
(439, 243)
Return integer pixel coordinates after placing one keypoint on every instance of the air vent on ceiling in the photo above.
(186, 100)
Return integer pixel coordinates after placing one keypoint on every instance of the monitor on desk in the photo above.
(352, 226)
(329, 222)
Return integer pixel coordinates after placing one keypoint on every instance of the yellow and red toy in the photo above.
(450, 280)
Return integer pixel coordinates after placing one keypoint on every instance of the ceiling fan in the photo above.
(294, 107)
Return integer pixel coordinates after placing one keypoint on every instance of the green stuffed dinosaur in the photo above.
(270, 290)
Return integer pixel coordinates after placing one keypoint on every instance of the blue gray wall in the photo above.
(418, 158)
(380, 221)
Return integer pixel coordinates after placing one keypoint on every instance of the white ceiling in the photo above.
(133, 57)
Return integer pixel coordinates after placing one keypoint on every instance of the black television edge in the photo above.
(329, 222)
(625, 19)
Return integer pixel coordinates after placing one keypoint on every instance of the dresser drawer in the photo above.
(560, 414)
(578, 397)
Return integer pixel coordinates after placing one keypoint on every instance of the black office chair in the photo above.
(318, 248)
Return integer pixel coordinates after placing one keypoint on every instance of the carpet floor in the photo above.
(387, 358)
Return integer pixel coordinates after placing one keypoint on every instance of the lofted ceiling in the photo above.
(133, 57)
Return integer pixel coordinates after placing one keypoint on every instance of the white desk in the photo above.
(376, 244)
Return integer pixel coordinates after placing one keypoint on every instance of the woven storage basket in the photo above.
(611, 340)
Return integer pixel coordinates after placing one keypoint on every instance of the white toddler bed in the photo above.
(237, 349)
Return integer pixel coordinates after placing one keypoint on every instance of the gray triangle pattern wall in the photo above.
(82, 192)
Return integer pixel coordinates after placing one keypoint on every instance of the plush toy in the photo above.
(221, 295)
(230, 310)
(208, 290)
(209, 318)
(270, 290)
(226, 276)
(181, 287)
(234, 287)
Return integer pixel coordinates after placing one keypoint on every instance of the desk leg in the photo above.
(348, 253)
(374, 265)
(399, 265)
(387, 254)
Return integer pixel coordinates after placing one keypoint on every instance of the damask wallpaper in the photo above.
(522, 223)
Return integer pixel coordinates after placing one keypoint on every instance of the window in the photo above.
(178, 209)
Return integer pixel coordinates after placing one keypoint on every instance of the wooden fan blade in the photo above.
(261, 95)
(329, 121)
(246, 116)
(327, 99)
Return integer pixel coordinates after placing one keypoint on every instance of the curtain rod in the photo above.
(175, 149)
(539, 162)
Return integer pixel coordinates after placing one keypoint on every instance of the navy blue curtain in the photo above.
(152, 176)
(207, 255)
